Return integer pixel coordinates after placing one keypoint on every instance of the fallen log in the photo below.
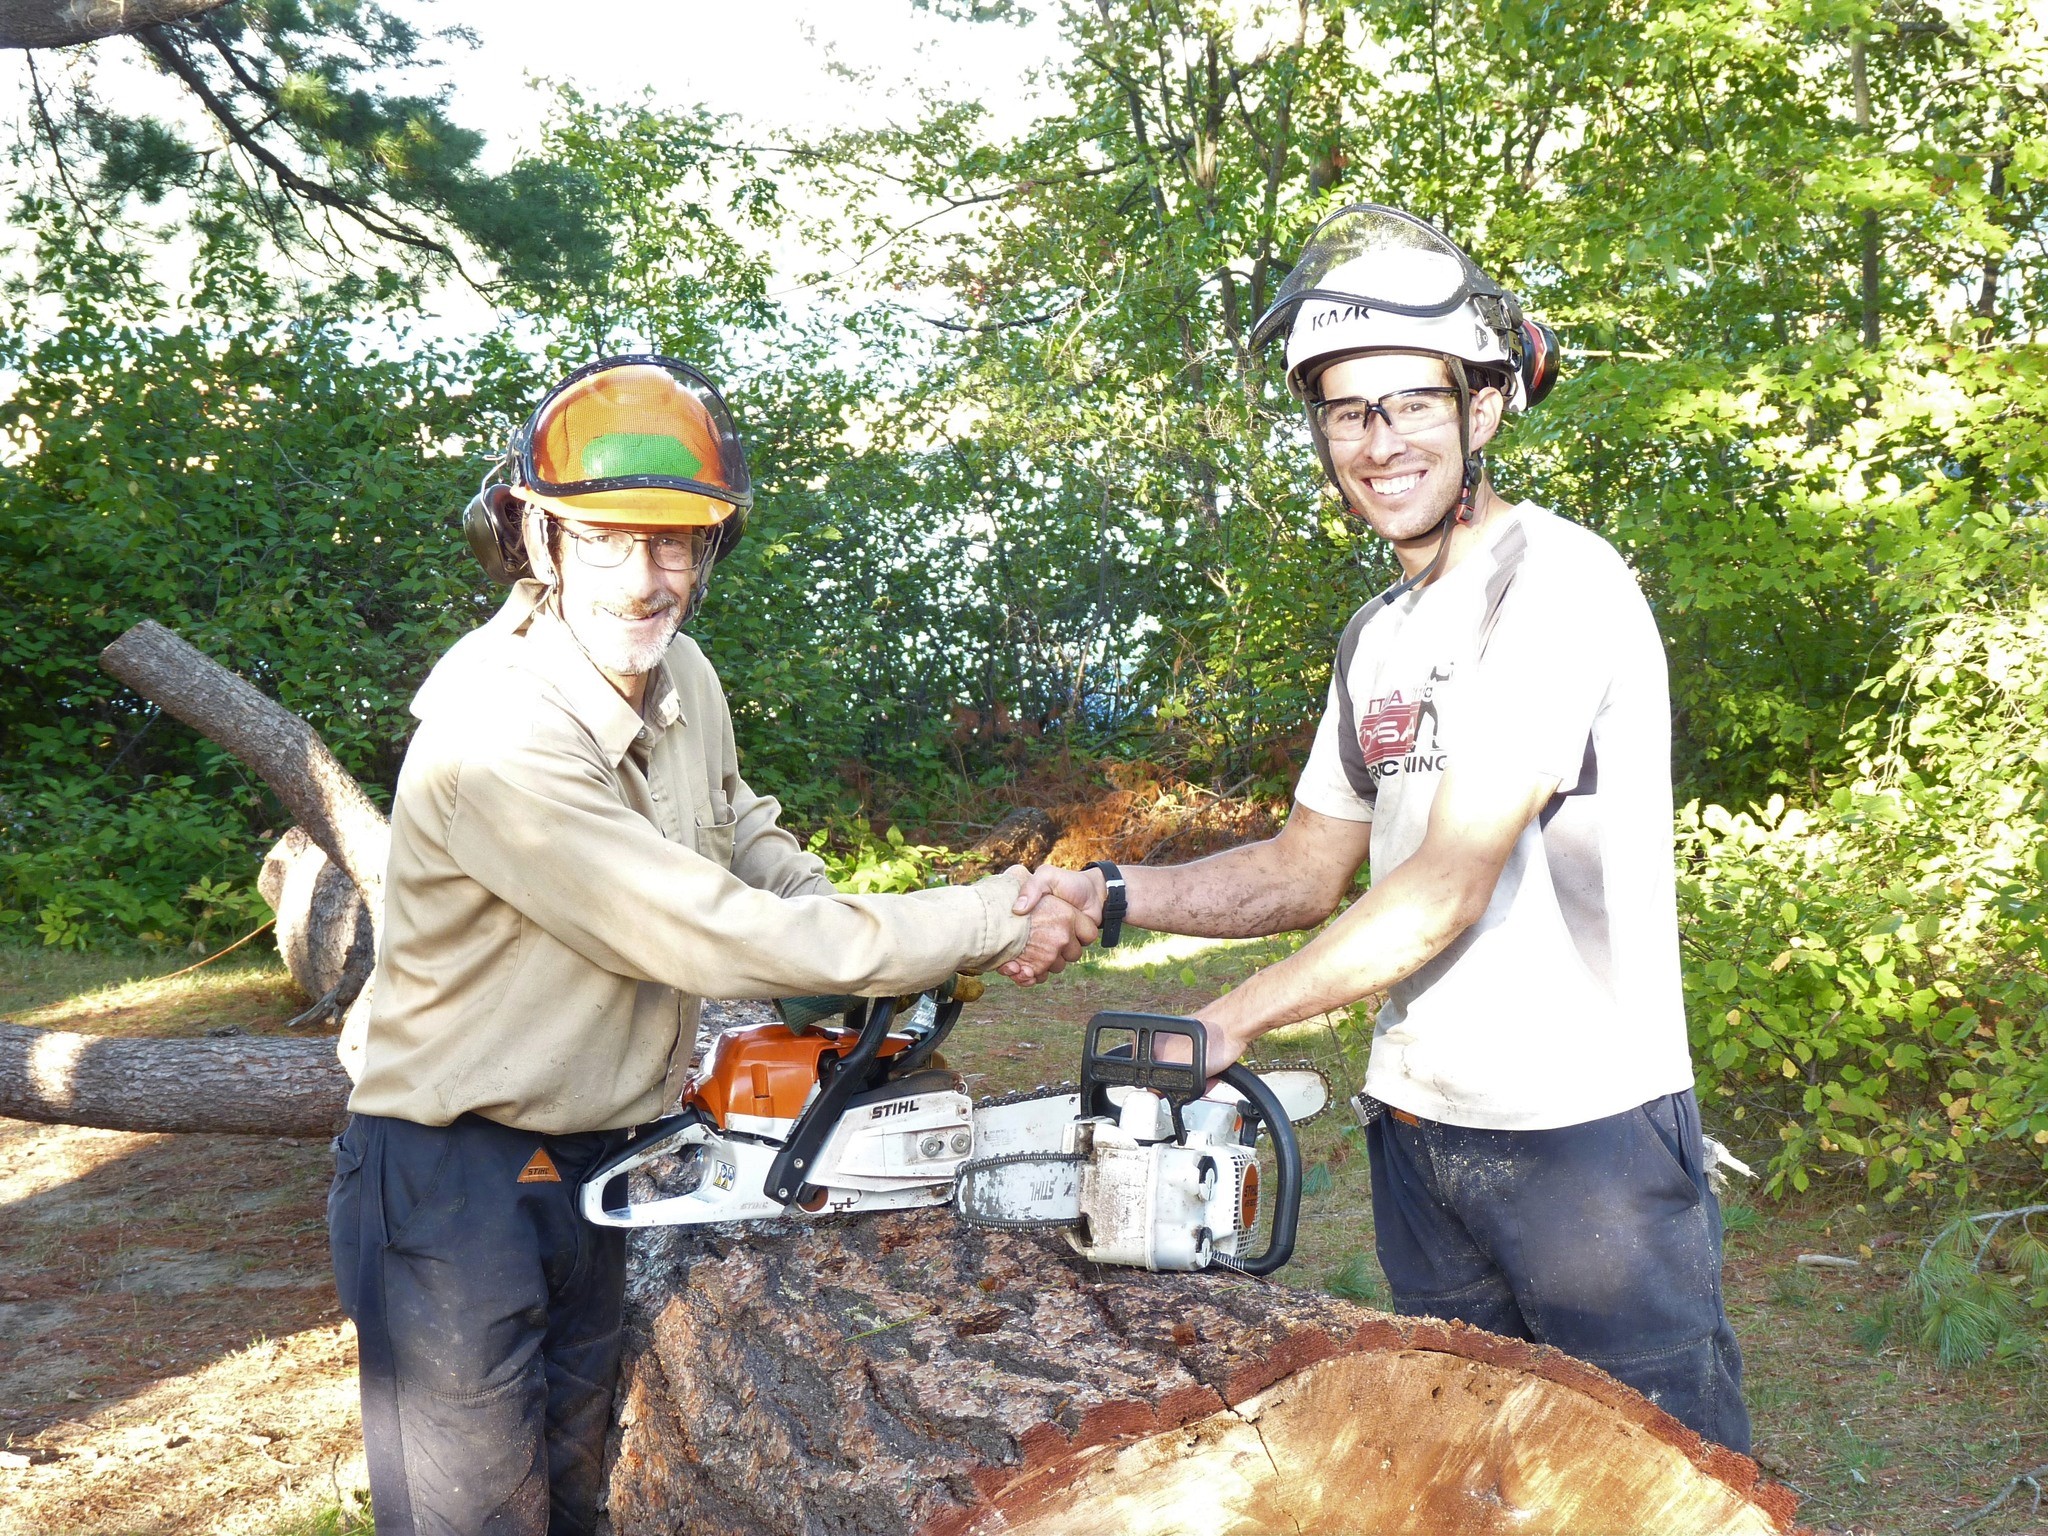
(907, 1373)
(322, 796)
(326, 931)
(267, 1087)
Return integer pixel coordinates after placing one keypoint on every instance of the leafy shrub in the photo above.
(83, 862)
(1869, 972)
(861, 863)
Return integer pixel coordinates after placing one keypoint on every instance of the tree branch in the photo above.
(40, 24)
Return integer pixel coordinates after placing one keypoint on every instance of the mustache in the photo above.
(639, 610)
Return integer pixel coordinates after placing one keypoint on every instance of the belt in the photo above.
(1368, 1109)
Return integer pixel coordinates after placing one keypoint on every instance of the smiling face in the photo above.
(623, 617)
(1403, 486)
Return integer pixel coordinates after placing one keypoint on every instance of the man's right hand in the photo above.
(1059, 932)
(1084, 889)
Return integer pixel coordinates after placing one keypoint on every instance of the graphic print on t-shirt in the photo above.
(1390, 728)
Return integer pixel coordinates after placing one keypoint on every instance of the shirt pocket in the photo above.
(715, 836)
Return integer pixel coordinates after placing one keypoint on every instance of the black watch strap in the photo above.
(1114, 904)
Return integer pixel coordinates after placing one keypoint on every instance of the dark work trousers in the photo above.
(1602, 1239)
(487, 1318)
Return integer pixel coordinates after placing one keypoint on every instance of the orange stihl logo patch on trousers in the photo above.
(539, 1169)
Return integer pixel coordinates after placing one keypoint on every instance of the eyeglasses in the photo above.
(606, 549)
(1407, 411)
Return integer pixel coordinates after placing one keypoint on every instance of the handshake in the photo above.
(1065, 908)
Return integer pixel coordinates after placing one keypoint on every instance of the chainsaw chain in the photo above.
(1017, 1223)
(1068, 1089)
(1026, 1095)
(1329, 1093)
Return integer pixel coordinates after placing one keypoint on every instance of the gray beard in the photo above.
(613, 652)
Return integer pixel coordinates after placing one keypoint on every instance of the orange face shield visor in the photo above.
(640, 441)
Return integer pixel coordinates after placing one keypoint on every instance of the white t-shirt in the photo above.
(1562, 1004)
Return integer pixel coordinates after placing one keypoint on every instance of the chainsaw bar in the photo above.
(1065, 1090)
(1027, 1095)
(993, 1191)
(1264, 1067)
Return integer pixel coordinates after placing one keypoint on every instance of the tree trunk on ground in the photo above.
(1025, 836)
(257, 1086)
(63, 23)
(321, 926)
(323, 929)
(907, 1373)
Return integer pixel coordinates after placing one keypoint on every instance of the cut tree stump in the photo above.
(908, 1373)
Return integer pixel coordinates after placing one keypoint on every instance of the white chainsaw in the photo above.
(841, 1107)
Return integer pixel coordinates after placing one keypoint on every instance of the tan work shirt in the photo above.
(570, 876)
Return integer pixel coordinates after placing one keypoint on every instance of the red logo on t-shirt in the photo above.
(1389, 730)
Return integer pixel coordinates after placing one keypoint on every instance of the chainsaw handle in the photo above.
(797, 1160)
(1286, 1155)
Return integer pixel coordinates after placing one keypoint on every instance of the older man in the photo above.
(575, 862)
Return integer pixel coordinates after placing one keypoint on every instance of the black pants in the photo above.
(1602, 1239)
(487, 1317)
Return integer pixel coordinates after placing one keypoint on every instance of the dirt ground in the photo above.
(172, 1360)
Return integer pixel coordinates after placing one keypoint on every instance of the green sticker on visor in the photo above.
(618, 454)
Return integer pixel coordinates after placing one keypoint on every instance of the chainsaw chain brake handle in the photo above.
(1263, 1102)
(854, 1074)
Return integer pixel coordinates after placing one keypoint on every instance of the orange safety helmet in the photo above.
(635, 441)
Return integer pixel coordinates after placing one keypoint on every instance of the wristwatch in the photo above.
(1114, 904)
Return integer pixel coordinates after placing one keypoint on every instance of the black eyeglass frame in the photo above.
(1378, 407)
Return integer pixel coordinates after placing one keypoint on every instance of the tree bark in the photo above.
(289, 755)
(323, 929)
(65, 23)
(263, 1087)
(908, 1373)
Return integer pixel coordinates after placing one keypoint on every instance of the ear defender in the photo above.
(492, 526)
(1538, 361)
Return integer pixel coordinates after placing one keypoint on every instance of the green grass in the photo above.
(137, 991)
(348, 1515)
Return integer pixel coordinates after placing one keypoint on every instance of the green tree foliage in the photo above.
(1797, 253)
(264, 490)
(297, 133)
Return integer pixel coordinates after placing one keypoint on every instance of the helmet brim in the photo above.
(635, 506)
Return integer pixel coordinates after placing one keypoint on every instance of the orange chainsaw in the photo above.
(845, 1105)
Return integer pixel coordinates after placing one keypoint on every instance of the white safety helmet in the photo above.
(1376, 279)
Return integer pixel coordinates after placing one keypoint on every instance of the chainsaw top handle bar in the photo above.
(1287, 1162)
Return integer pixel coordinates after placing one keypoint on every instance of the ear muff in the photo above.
(492, 526)
(1538, 361)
